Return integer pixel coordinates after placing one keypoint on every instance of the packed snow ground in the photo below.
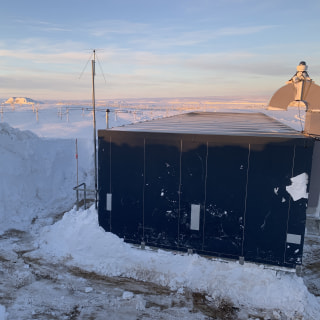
(57, 263)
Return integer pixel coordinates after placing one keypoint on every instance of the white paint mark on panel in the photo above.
(298, 187)
(294, 238)
(195, 217)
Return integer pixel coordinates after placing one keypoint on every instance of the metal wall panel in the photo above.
(267, 206)
(297, 213)
(161, 194)
(193, 182)
(121, 170)
(225, 200)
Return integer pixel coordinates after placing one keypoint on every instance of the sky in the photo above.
(177, 48)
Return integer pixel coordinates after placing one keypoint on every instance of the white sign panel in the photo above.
(109, 201)
(195, 217)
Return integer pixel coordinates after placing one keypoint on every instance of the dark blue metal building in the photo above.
(232, 185)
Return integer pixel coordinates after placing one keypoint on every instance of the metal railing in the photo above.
(85, 191)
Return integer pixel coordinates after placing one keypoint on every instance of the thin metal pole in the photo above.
(85, 196)
(107, 118)
(94, 131)
(77, 174)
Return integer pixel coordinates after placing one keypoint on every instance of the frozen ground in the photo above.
(56, 263)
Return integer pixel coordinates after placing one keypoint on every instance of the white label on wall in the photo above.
(109, 201)
(195, 217)
(294, 238)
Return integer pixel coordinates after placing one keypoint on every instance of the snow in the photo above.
(43, 237)
(298, 187)
(3, 313)
(70, 239)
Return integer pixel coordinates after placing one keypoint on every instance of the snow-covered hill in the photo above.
(21, 101)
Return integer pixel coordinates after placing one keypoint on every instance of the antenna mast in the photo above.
(94, 130)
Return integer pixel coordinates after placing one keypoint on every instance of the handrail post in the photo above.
(85, 197)
(77, 191)
(84, 189)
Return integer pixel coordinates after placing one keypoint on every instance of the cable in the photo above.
(300, 117)
(101, 69)
(85, 66)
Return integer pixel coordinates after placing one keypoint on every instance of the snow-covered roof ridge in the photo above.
(21, 100)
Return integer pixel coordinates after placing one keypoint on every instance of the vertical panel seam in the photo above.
(245, 199)
(205, 196)
(179, 199)
(110, 173)
(289, 205)
(143, 187)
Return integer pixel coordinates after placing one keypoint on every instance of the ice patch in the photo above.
(298, 187)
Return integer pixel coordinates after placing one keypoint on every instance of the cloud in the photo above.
(40, 85)
(54, 67)
(41, 25)
(66, 58)
(237, 31)
(145, 64)
(116, 27)
(42, 51)
(174, 37)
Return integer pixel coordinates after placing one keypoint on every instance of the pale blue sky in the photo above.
(177, 48)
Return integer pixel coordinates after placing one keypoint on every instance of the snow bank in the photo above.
(37, 177)
(79, 241)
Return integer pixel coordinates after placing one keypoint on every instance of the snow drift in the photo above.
(37, 177)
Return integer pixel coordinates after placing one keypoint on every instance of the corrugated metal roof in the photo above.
(216, 123)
